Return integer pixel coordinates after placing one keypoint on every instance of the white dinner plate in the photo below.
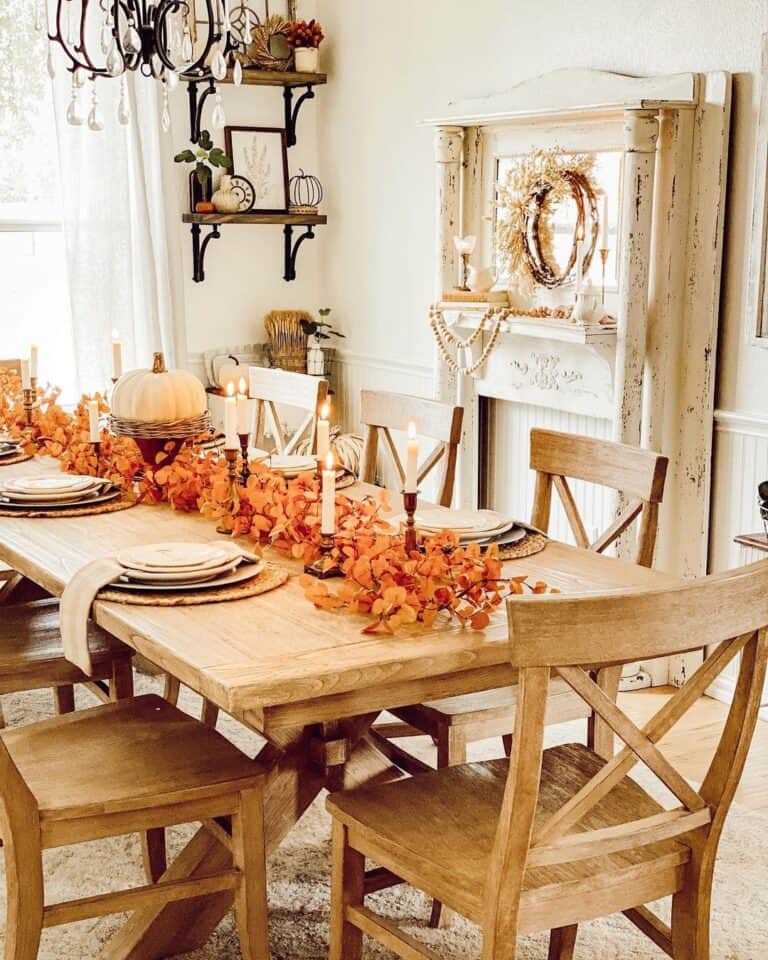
(154, 557)
(458, 521)
(244, 572)
(64, 483)
(291, 463)
(86, 501)
(181, 576)
(9, 452)
(38, 498)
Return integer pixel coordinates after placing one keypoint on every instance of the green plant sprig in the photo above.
(205, 157)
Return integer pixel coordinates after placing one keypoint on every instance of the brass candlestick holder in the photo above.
(603, 251)
(231, 455)
(325, 566)
(245, 470)
(96, 444)
(410, 500)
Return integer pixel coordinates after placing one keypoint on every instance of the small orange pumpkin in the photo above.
(204, 206)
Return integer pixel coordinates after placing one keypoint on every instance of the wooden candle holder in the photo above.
(324, 567)
(231, 456)
(245, 470)
(28, 402)
(410, 501)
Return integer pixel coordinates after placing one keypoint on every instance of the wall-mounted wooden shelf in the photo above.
(214, 221)
(278, 78)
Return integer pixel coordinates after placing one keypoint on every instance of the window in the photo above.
(32, 263)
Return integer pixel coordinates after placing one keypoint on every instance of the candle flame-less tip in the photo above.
(329, 461)
(230, 389)
(242, 386)
(411, 430)
(325, 411)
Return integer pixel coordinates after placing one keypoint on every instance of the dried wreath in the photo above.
(525, 204)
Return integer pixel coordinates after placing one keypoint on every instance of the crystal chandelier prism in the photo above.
(167, 40)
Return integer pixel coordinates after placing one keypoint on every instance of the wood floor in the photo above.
(689, 746)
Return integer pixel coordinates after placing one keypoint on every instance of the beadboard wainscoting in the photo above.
(740, 463)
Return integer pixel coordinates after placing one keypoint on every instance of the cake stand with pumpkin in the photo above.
(160, 409)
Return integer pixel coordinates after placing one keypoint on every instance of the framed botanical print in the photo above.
(260, 154)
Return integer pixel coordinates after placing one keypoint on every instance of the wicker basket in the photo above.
(152, 436)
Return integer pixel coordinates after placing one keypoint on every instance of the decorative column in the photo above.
(641, 131)
(448, 157)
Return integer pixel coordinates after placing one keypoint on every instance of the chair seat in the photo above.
(493, 710)
(436, 831)
(31, 653)
(124, 756)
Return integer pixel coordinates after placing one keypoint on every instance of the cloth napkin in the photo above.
(78, 597)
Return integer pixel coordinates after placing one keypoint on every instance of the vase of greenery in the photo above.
(318, 331)
(205, 157)
(305, 38)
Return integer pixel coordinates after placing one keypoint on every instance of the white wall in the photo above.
(393, 64)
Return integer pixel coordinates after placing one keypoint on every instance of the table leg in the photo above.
(293, 782)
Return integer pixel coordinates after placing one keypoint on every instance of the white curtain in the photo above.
(122, 229)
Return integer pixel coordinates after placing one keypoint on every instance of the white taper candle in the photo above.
(328, 519)
(117, 358)
(26, 383)
(323, 432)
(93, 421)
(242, 407)
(412, 460)
(231, 441)
(33, 361)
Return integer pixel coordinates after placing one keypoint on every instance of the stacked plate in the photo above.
(8, 449)
(169, 567)
(290, 465)
(471, 526)
(55, 493)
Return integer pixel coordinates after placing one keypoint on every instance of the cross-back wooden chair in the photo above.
(122, 768)
(273, 388)
(381, 412)
(457, 721)
(551, 838)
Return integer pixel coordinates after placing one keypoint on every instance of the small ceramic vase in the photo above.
(480, 279)
(306, 59)
(225, 200)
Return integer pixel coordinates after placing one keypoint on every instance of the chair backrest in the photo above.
(381, 412)
(574, 635)
(638, 474)
(272, 387)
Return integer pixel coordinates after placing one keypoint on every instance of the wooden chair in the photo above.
(382, 412)
(640, 474)
(273, 388)
(551, 838)
(32, 657)
(116, 769)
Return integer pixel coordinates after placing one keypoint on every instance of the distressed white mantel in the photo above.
(653, 378)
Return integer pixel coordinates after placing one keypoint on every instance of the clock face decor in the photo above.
(244, 190)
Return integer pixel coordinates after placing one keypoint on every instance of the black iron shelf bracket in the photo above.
(292, 111)
(292, 249)
(196, 105)
(199, 248)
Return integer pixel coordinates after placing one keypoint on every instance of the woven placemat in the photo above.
(111, 506)
(532, 543)
(270, 578)
(19, 458)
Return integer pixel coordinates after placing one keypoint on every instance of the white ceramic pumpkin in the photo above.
(158, 394)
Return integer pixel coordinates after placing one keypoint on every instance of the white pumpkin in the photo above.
(158, 394)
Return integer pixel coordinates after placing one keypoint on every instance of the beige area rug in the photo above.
(299, 884)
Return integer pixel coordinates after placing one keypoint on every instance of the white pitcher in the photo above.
(480, 279)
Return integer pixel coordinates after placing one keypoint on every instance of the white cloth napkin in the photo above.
(78, 597)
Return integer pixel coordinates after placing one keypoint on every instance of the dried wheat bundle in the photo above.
(287, 340)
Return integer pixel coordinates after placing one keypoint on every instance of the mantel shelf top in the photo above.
(593, 334)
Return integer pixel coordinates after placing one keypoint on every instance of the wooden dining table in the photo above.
(310, 682)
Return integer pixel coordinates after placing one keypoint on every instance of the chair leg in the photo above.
(451, 752)
(24, 896)
(347, 889)
(600, 737)
(562, 943)
(153, 853)
(171, 689)
(209, 714)
(64, 699)
(121, 684)
(691, 908)
(249, 856)
(506, 741)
